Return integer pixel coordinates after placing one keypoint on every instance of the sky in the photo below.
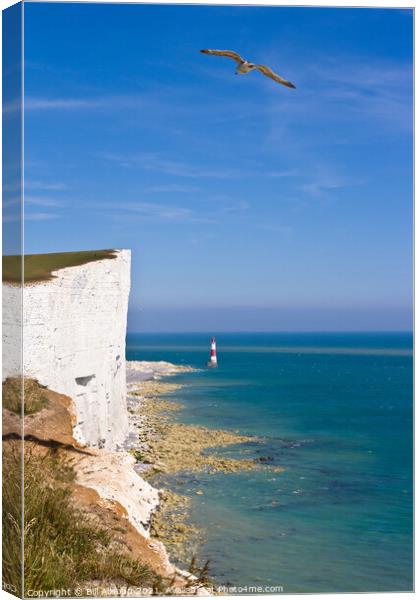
(247, 205)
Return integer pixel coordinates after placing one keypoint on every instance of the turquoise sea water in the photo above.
(336, 411)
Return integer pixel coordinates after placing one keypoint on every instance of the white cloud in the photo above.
(323, 183)
(283, 229)
(209, 212)
(40, 216)
(13, 106)
(42, 201)
(30, 216)
(281, 174)
(155, 162)
(153, 210)
(377, 92)
(15, 201)
(60, 103)
(173, 188)
(44, 185)
(105, 102)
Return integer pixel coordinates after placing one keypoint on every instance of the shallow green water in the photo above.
(336, 411)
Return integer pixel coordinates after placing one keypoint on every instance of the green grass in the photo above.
(12, 517)
(63, 547)
(40, 267)
(34, 398)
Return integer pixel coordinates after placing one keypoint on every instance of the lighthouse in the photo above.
(213, 357)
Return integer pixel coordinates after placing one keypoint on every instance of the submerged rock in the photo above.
(168, 448)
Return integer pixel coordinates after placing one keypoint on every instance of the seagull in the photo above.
(244, 66)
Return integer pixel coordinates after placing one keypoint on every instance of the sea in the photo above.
(336, 411)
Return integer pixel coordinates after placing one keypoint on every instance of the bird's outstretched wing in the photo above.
(267, 71)
(228, 53)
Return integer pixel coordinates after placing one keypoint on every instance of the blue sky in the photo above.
(247, 205)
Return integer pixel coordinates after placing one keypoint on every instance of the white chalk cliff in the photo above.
(74, 328)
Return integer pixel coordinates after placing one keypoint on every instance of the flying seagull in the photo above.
(244, 66)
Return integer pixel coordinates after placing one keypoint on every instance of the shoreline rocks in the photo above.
(166, 447)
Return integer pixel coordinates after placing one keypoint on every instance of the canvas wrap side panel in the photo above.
(12, 222)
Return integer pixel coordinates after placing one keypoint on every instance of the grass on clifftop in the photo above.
(40, 267)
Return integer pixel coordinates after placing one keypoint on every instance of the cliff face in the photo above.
(74, 328)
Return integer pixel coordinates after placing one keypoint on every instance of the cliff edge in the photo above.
(74, 328)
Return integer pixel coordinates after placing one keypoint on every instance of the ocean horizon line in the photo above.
(283, 332)
(339, 343)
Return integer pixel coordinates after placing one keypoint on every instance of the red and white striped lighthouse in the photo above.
(213, 356)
